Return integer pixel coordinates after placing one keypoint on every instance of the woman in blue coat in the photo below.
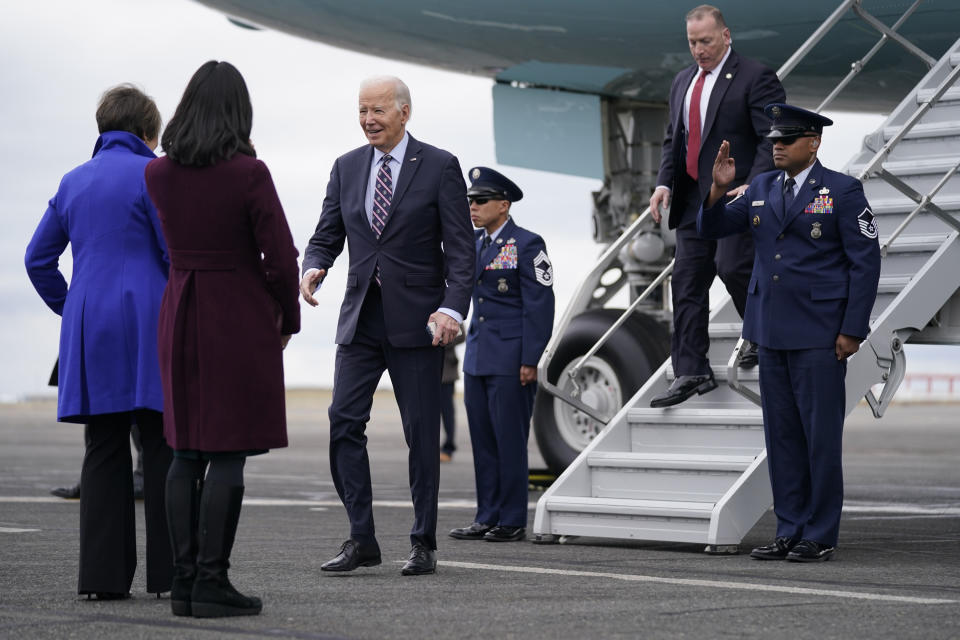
(109, 374)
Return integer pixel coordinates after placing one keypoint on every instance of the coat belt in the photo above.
(204, 260)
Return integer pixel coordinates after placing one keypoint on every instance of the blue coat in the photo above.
(816, 267)
(513, 304)
(108, 335)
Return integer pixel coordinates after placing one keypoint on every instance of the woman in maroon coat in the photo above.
(228, 311)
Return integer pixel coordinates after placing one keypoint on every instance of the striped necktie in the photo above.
(383, 192)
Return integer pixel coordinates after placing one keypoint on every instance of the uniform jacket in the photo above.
(735, 113)
(425, 252)
(816, 270)
(233, 291)
(513, 304)
(108, 344)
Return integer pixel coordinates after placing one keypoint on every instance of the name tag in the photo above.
(757, 203)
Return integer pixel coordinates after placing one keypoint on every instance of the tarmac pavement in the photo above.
(896, 574)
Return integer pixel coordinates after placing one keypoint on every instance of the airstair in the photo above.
(697, 472)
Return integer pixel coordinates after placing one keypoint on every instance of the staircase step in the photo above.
(943, 129)
(892, 284)
(671, 461)
(680, 416)
(916, 244)
(725, 329)
(720, 372)
(886, 206)
(951, 95)
(641, 508)
(937, 165)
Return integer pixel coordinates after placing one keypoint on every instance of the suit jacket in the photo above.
(817, 265)
(108, 335)
(735, 113)
(513, 304)
(426, 252)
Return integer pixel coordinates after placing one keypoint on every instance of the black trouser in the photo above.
(448, 417)
(698, 262)
(108, 541)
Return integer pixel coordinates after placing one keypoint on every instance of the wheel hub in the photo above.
(599, 389)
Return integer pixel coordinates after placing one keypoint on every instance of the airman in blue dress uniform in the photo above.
(814, 282)
(513, 307)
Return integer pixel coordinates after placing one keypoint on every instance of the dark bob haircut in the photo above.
(213, 119)
(127, 108)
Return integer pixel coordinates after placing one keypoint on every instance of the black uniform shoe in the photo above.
(351, 556)
(749, 356)
(473, 532)
(422, 562)
(69, 493)
(682, 388)
(776, 551)
(505, 534)
(810, 551)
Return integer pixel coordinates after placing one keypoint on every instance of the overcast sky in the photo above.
(58, 57)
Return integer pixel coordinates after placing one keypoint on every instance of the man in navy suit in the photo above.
(731, 92)
(402, 205)
(513, 306)
(814, 283)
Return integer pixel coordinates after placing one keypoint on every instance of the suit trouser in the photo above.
(415, 375)
(697, 262)
(108, 541)
(498, 411)
(448, 416)
(804, 404)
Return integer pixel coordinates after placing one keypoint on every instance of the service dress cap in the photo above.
(793, 121)
(487, 183)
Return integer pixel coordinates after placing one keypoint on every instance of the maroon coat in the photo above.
(232, 292)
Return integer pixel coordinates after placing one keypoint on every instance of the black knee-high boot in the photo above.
(213, 596)
(183, 522)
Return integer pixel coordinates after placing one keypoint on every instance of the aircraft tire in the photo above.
(608, 379)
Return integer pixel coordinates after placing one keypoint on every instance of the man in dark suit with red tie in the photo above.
(720, 97)
(402, 205)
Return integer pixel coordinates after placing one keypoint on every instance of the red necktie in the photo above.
(693, 131)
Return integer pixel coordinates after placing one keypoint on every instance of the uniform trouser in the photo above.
(448, 416)
(415, 374)
(108, 541)
(698, 261)
(498, 413)
(804, 404)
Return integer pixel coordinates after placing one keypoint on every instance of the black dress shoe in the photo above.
(422, 561)
(351, 556)
(505, 534)
(776, 551)
(473, 532)
(749, 356)
(810, 551)
(68, 493)
(682, 388)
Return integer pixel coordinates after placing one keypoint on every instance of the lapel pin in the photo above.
(811, 181)
(499, 240)
(729, 75)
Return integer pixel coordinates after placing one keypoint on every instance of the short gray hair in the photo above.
(704, 10)
(401, 93)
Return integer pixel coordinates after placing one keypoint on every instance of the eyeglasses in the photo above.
(481, 199)
(789, 140)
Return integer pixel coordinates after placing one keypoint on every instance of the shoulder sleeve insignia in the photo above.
(868, 224)
(543, 269)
